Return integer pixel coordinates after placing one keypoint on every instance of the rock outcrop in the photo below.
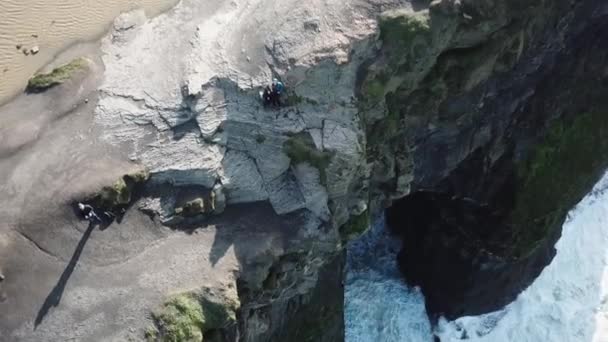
(181, 94)
(456, 114)
(495, 112)
(42, 82)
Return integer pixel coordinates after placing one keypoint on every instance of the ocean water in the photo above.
(379, 306)
(568, 302)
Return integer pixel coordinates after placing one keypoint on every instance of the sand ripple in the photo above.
(53, 25)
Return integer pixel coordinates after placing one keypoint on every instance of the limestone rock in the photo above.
(218, 93)
(314, 194)
(181, 94)
(373, 108)
(219, 199)
(385, 99)
(191, 208)
(241, 179)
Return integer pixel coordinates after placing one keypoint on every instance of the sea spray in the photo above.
(567, 301)
(379, 306)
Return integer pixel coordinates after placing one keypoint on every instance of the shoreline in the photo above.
(55, 35)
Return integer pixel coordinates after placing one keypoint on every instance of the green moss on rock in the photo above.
(42, 82)
(191, 208)
(382, 130)
(559, 173)
(375, 90)
(181, 319)
(189, 317)
(120, 193)
(300, 148)
(293, 99)
(402, 26)
(405, 37)
(318, 314)
(355, 227)
(151, 334)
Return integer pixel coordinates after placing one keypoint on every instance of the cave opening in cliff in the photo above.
(442, 237)
(451, 249)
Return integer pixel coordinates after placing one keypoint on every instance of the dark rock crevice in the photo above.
(446, 252)
(280, 311)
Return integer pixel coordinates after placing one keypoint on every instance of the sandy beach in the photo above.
(50, 27)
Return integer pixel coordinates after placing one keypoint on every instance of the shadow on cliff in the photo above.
(251, 229)
(269, 249)
(459, 250)
(54, 297)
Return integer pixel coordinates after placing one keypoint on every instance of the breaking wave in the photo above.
(568, 302)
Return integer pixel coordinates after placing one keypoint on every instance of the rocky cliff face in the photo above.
(497, 113)
(455, 114)
(188, 109)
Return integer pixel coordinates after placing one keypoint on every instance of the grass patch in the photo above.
(300, 148)
(383, 130)
(375, 90)
(151, 334)
(355, 226)
(42, 82)
(293, 99)
(120, 193)
(399, 31)
(188, 317)
(560, 172)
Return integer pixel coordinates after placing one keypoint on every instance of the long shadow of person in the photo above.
(221, 244)
(54, 297)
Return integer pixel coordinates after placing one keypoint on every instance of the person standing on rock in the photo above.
(88, 212)
(267, 96)
(277, 90)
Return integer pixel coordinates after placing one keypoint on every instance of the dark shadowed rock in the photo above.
(497, 162)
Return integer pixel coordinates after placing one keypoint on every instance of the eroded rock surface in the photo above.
(494, 136)
(228, 207)
(447, 103)
(189, 107)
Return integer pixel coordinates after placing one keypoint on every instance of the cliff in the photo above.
(230, 218)
(453, 114)
(500, 136)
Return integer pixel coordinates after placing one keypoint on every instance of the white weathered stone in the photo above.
(314, 193)
(210, 111)
(205, 63)
(241, 179)
(340, 139)
(359, 208)
(219, 199)
(285, 194)
(185, 161)
(317, 137)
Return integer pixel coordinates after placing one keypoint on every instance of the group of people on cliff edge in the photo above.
(272, 93)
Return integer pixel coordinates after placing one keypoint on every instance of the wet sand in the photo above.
(52, 26)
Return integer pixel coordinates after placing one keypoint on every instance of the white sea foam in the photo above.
(567, 303)
(379, 307)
